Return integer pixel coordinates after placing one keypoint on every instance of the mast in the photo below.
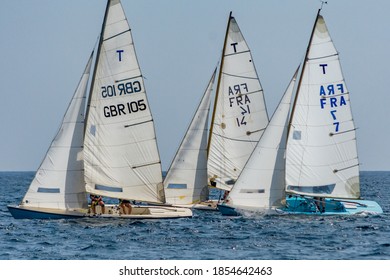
(303, 70)
(96, 63)
(218, 84)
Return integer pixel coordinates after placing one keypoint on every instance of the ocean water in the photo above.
(207, 235)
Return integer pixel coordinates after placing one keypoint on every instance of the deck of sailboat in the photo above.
(209, 205)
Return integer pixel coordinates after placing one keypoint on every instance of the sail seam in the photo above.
(239, 76)
(318, 146)
(335, 95)
(333, 163)
(321, 57)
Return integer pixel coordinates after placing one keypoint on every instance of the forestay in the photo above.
(186, 179)
(239, 116)
(321, 154)
(121, 155)
(59, 181)
(260, 185)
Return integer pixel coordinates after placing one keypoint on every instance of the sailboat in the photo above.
(321, 161)
(186, 180)
(239, 115)
(260, 186)
(115, 153)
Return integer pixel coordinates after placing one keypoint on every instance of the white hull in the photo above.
(111, 211)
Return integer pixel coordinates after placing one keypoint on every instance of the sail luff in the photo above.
(303, 69)
(186, 180)
(96, 62)
(218, 84)
(210, 82)
(59, 180)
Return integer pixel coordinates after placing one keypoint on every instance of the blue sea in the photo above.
(207, 235)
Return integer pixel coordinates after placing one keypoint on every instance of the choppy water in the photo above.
(208, 235)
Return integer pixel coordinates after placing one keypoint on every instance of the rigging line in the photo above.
(248, 51)
(130, 125)
(321, 57)
(116, 35)
(345, 168)
(354, 159)
(238, 76)
(126, 144)
(238, 140)
(342, 132)
(126, 79)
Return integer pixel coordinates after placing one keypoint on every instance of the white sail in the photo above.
(321, 154)
(186, 179)
(239, 116)
(59, 181)
(260, 185)
(121, 154)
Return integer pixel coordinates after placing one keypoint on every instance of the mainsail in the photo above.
(186, 179)
(120, 150)
(260, 185)
(240, 115)
(321, 156)
(59, 181)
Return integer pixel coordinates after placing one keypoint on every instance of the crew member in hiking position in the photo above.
(96, 200)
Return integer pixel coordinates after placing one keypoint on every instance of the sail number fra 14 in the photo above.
(227, 270)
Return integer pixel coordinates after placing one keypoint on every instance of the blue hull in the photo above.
(22, 213)
(227, 210)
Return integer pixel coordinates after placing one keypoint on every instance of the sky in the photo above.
(45, 45)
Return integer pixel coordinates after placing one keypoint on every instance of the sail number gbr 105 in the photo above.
(124, 109)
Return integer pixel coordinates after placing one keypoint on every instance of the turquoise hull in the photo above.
(297, 205)
(309, 206)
